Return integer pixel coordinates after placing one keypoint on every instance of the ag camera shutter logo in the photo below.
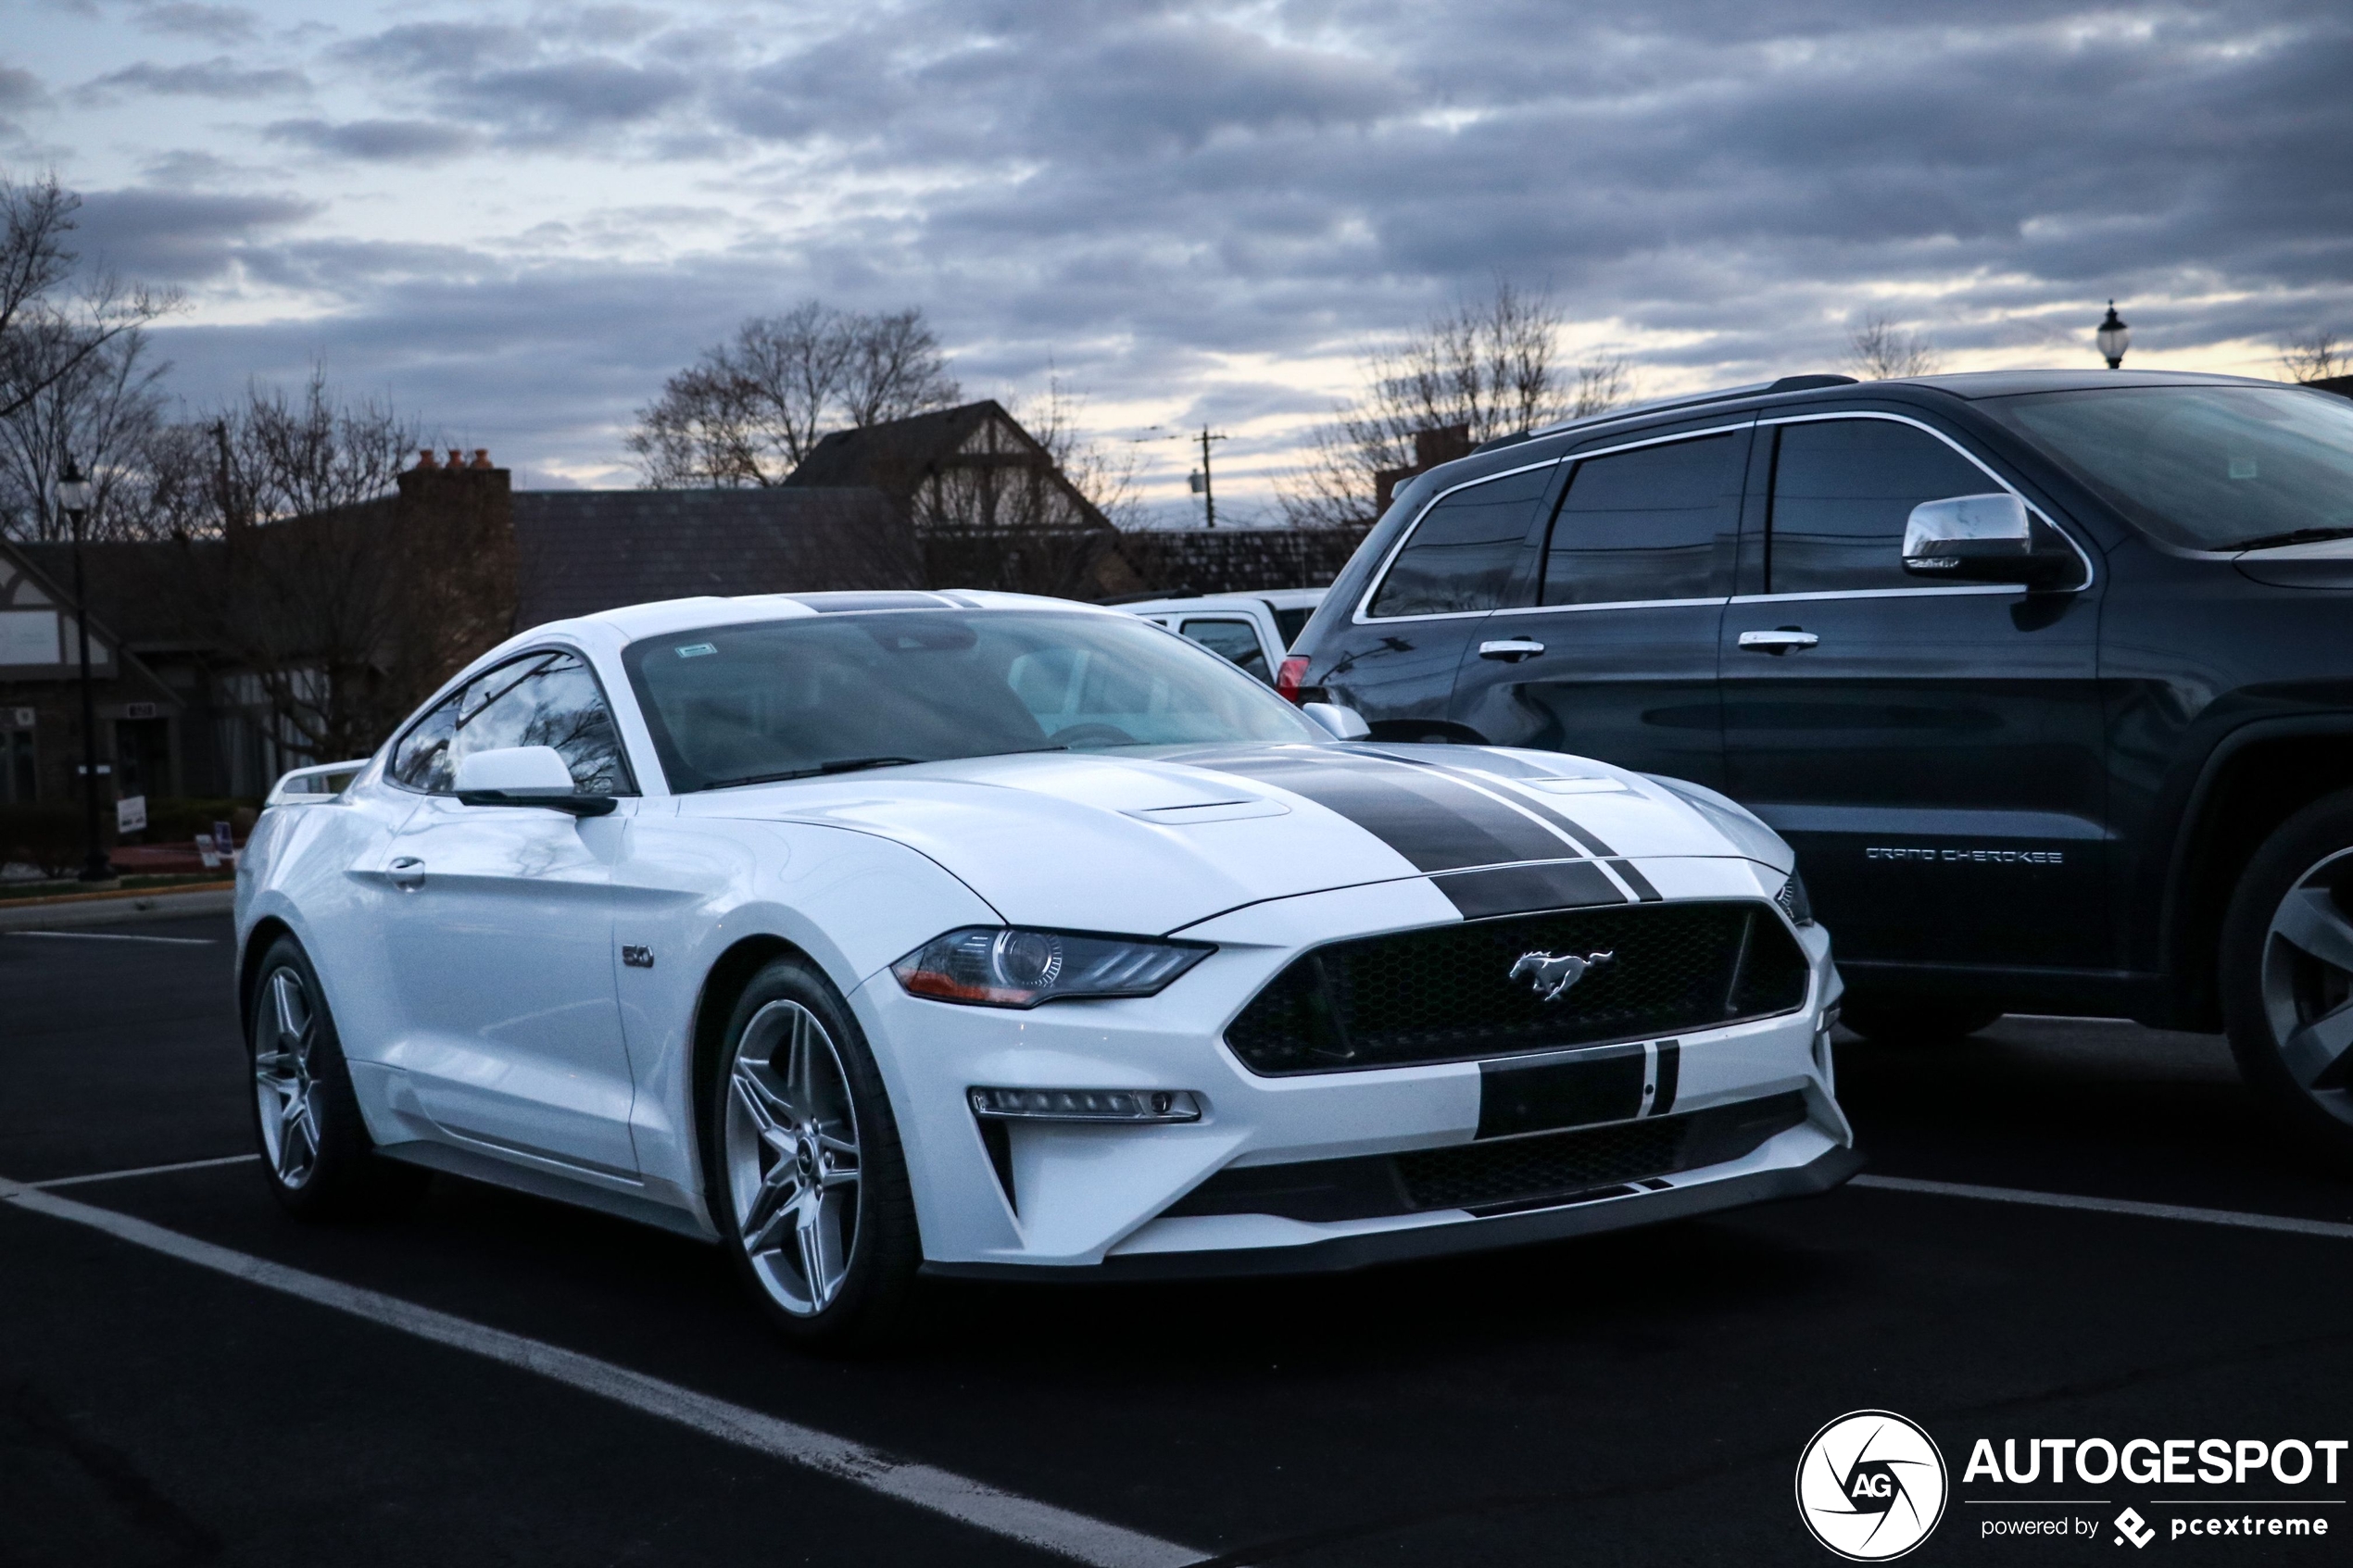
(1870, 1485)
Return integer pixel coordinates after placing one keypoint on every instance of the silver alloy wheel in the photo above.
(285, 1036)
(792, 1156)
(2308, 983)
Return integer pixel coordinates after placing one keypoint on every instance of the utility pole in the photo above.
(1198, 482)
(1201, 481)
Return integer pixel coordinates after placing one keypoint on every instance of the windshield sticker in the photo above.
(696, 650)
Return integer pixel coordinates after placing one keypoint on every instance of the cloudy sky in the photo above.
(516, 218)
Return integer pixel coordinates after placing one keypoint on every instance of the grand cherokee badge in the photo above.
(1552, 976)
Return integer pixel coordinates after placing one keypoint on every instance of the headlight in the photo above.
(1010, 967)
(1794, 901)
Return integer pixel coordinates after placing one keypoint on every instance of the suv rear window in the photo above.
(2207, 468)
(1461, 555)
(1657, 523)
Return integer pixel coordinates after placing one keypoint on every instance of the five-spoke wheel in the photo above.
(288, 1115)
(314, 1141)
(792, 1156)
(807, 1180)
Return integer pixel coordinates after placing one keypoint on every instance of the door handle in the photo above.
(1511, 650)
(1788, 639)
(407, 872)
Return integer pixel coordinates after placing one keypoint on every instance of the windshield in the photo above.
(830, 693)
(2208, 467)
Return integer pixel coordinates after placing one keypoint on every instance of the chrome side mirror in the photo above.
(1989, 538)
(524, 775)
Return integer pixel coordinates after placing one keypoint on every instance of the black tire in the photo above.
(316, 1154)
(2272, 986)
(1902, 1020)
(772, 1159)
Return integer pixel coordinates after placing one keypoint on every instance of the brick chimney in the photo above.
(1440, 444)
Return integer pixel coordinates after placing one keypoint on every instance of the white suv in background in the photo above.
(1253, 629)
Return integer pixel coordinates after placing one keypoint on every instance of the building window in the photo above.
(17, 773)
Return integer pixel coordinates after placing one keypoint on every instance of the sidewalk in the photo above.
(105, 908)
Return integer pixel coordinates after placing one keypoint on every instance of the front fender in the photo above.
(690, 891)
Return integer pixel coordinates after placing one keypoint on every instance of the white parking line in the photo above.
(1009, 1515)
(143, 1170)
(2111, 1206)
(116, 936)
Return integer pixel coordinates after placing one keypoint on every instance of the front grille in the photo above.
(1472, 1175)
(1498, 1176)
(1445, 993)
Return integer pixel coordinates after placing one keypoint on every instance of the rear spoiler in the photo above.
(313, 785)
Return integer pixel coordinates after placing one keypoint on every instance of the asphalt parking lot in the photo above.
(1637, 1398)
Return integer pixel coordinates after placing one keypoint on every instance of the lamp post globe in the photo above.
(73, 496)
(2113, 338)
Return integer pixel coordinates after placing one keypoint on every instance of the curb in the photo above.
(107, 909)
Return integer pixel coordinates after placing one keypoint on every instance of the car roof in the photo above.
(1266, 598)
(664, 616)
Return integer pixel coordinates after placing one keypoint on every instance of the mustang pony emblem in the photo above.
(1551, 977)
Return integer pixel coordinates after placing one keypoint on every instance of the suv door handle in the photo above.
(1788, 639)
(407, 872)
(1511, 650)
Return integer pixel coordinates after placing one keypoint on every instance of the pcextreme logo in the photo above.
(1870, 1485)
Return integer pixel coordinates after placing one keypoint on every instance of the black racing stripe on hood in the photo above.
(1435, 822)
(1512, 768)
(1519, 890)
(1636, 880)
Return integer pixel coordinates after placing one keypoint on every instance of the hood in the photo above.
(1151, 842)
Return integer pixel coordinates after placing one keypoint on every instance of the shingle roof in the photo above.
(579, 551)
(896, 454)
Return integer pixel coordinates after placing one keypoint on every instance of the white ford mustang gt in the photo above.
(875, 935)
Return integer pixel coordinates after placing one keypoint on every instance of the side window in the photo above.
(543, 699)
(1843, 489)
(1461, 553)
(1657, 523)
(1234, 640)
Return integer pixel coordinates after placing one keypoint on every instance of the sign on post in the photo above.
(131, 814)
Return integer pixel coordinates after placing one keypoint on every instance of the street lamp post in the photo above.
(2114, 337)
(73, 499)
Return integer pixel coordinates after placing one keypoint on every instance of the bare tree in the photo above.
(1104, 475)
(104, 410)
(1491, 367)
(46, 332)
(2314, 356)
(1880, 350)
(750, 409)
(342, 606)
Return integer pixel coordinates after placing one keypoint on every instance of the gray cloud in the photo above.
(20, 90)
(1142, 192)
(378, 141)
(180, 236)
(214, 24)
(218, 78)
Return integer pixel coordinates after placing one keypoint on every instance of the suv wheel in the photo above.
(2288, 972)
(1892, 1021)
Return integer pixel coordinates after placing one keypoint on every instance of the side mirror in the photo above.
(524, 775)
(1986, 539)
(1345, 723)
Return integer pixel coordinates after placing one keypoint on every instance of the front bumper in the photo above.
(1094, 1198)
(1340, 1254)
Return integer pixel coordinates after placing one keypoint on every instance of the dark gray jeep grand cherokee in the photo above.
(2047, 676)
